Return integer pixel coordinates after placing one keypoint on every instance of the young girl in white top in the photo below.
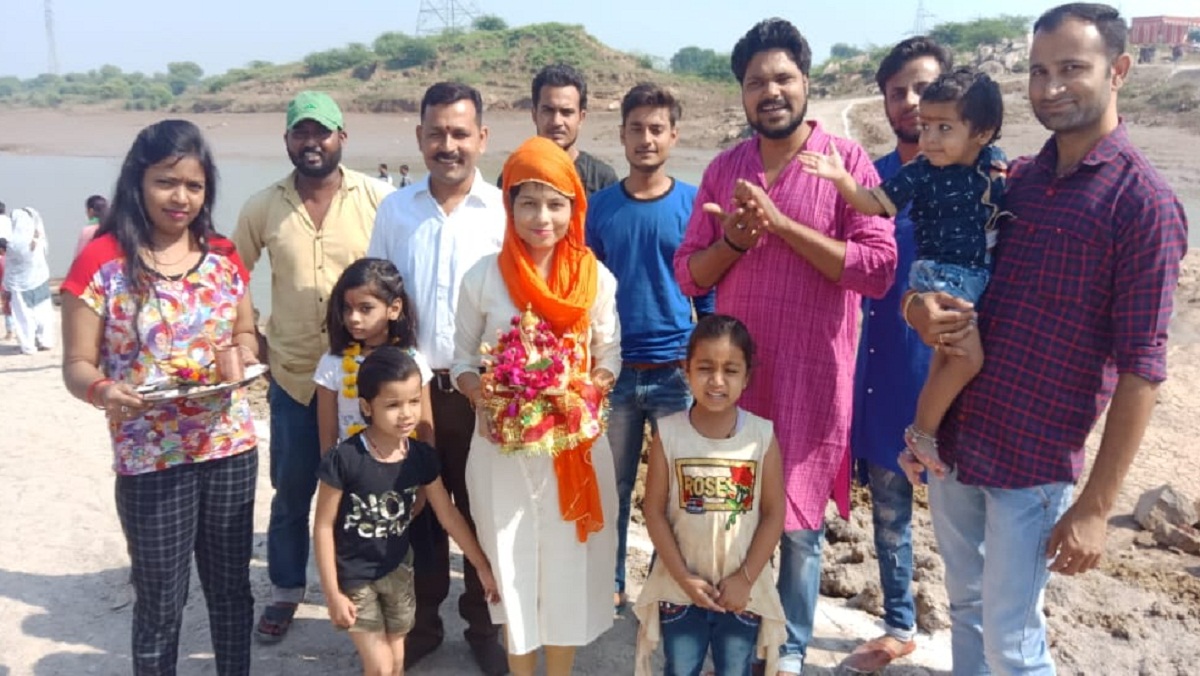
(367, 308)
(714, 507)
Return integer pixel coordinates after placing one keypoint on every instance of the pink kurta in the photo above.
(804, 326)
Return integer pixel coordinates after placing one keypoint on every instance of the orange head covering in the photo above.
(564, 298)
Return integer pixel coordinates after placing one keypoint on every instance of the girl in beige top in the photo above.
(714, 507)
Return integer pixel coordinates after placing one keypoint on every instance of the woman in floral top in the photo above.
(147, 301)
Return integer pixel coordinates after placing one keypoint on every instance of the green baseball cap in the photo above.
(315, 106)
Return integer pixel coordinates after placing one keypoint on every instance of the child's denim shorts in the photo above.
(957, 280)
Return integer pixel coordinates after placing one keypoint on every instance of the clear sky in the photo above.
(219, 34)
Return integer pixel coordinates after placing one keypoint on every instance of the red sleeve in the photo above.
(99, 251)
(224, 247)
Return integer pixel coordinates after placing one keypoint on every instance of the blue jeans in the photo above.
(688, 631)
(295, 454)
(639, 395)
(996, 620)
(957, 280)
(891, 511)
(799, 586)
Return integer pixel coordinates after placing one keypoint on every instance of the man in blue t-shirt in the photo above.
(635, 226)
(892, 365)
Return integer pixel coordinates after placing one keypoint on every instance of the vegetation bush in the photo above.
(399, 51)
(703, 63)
(958, 37)
(967, 35)
(333, 60)
(489, 22)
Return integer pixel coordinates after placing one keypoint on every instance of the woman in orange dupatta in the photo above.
(546, 523)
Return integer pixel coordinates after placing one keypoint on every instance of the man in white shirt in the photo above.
(27, 279)
(434, 231)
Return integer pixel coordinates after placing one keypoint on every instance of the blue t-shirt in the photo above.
(952, 207)
(636, 240)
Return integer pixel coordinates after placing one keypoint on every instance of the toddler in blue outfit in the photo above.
(954, 187)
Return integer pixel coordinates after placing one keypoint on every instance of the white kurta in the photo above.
(555, 590)
(26, 270)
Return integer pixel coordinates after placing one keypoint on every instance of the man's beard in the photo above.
(328, 165)
(781, 133)
(903, 135)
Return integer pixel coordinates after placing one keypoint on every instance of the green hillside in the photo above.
(388, 75)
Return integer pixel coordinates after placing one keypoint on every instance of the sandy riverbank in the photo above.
(64, 602)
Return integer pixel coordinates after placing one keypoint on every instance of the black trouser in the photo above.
(454, 424)
(206, 508)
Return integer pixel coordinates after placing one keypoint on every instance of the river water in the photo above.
(57, 187)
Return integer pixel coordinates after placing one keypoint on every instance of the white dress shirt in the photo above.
(25, 265)
(433, 251)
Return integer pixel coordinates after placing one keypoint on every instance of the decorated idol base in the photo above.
(537, 391)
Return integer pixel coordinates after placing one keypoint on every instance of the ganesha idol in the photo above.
(537, 390)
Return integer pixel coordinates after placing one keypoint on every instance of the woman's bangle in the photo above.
(729, 243)
(912, 295)
(91, 390)
(747, 574)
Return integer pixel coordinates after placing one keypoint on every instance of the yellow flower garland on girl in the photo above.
(350, 381)
(350, 363)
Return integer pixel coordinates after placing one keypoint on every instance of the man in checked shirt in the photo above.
(1076, 318)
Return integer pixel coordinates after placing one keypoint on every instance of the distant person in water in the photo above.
(96, 206)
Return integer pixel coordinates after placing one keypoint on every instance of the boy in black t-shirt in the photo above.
(371, 486)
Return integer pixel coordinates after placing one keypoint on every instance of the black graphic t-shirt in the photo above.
(370, 535)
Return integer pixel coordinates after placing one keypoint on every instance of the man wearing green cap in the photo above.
(313, 223)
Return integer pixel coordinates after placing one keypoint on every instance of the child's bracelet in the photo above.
(747, 574)
(907, 304)
(91, 390)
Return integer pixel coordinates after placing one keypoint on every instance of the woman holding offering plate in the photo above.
(150, 301)
(540, 471)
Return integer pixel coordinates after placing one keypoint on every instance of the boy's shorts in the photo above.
(387, 604)
(957, 280)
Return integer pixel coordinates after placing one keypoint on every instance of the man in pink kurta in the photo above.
(792, 260)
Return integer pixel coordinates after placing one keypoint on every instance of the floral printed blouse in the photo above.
(143, 332)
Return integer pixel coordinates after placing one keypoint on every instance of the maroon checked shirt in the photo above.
(1082, 291)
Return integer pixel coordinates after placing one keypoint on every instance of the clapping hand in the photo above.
(734, 226)
(761, 212)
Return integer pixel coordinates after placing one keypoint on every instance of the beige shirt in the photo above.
(305, 264)
(713, 507)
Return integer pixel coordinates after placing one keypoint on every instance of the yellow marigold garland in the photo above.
(350, 380)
